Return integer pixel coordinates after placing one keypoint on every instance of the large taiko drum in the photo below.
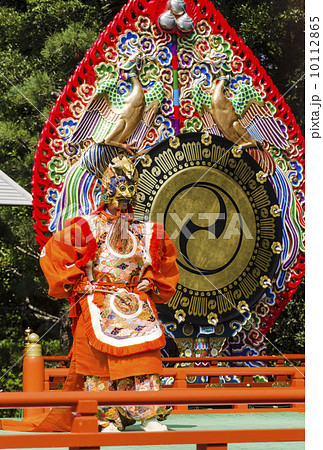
(221, 211)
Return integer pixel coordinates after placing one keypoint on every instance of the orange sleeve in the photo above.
(166, 278)
(64, 256)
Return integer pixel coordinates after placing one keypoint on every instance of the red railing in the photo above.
(84, 433)
(277, 359)
(36, 378)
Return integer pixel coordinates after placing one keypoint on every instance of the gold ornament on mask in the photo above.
(120, 182)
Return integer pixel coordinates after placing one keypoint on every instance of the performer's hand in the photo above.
(144, 285)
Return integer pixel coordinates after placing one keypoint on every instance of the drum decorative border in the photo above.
(217, 155)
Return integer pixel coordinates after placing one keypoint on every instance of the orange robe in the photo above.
(63, 261)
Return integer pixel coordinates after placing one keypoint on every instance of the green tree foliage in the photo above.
(41, 43)
(288, 331)
(274, 31)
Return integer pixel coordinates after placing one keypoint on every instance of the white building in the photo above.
(11, 193)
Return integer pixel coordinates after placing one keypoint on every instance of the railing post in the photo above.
(33, 370)
(85, 420)
(180, 383)
(297, 379)
(298, 382)
(280, 378)
(214, 379)
(241, 407)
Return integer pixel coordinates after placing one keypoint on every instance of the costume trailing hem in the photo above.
(57, 419)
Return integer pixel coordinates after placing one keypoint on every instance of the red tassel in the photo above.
(89, 254)
(155, 246)
(90, 241)
(74, 312)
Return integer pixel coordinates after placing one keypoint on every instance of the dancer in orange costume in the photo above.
(113, 269)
